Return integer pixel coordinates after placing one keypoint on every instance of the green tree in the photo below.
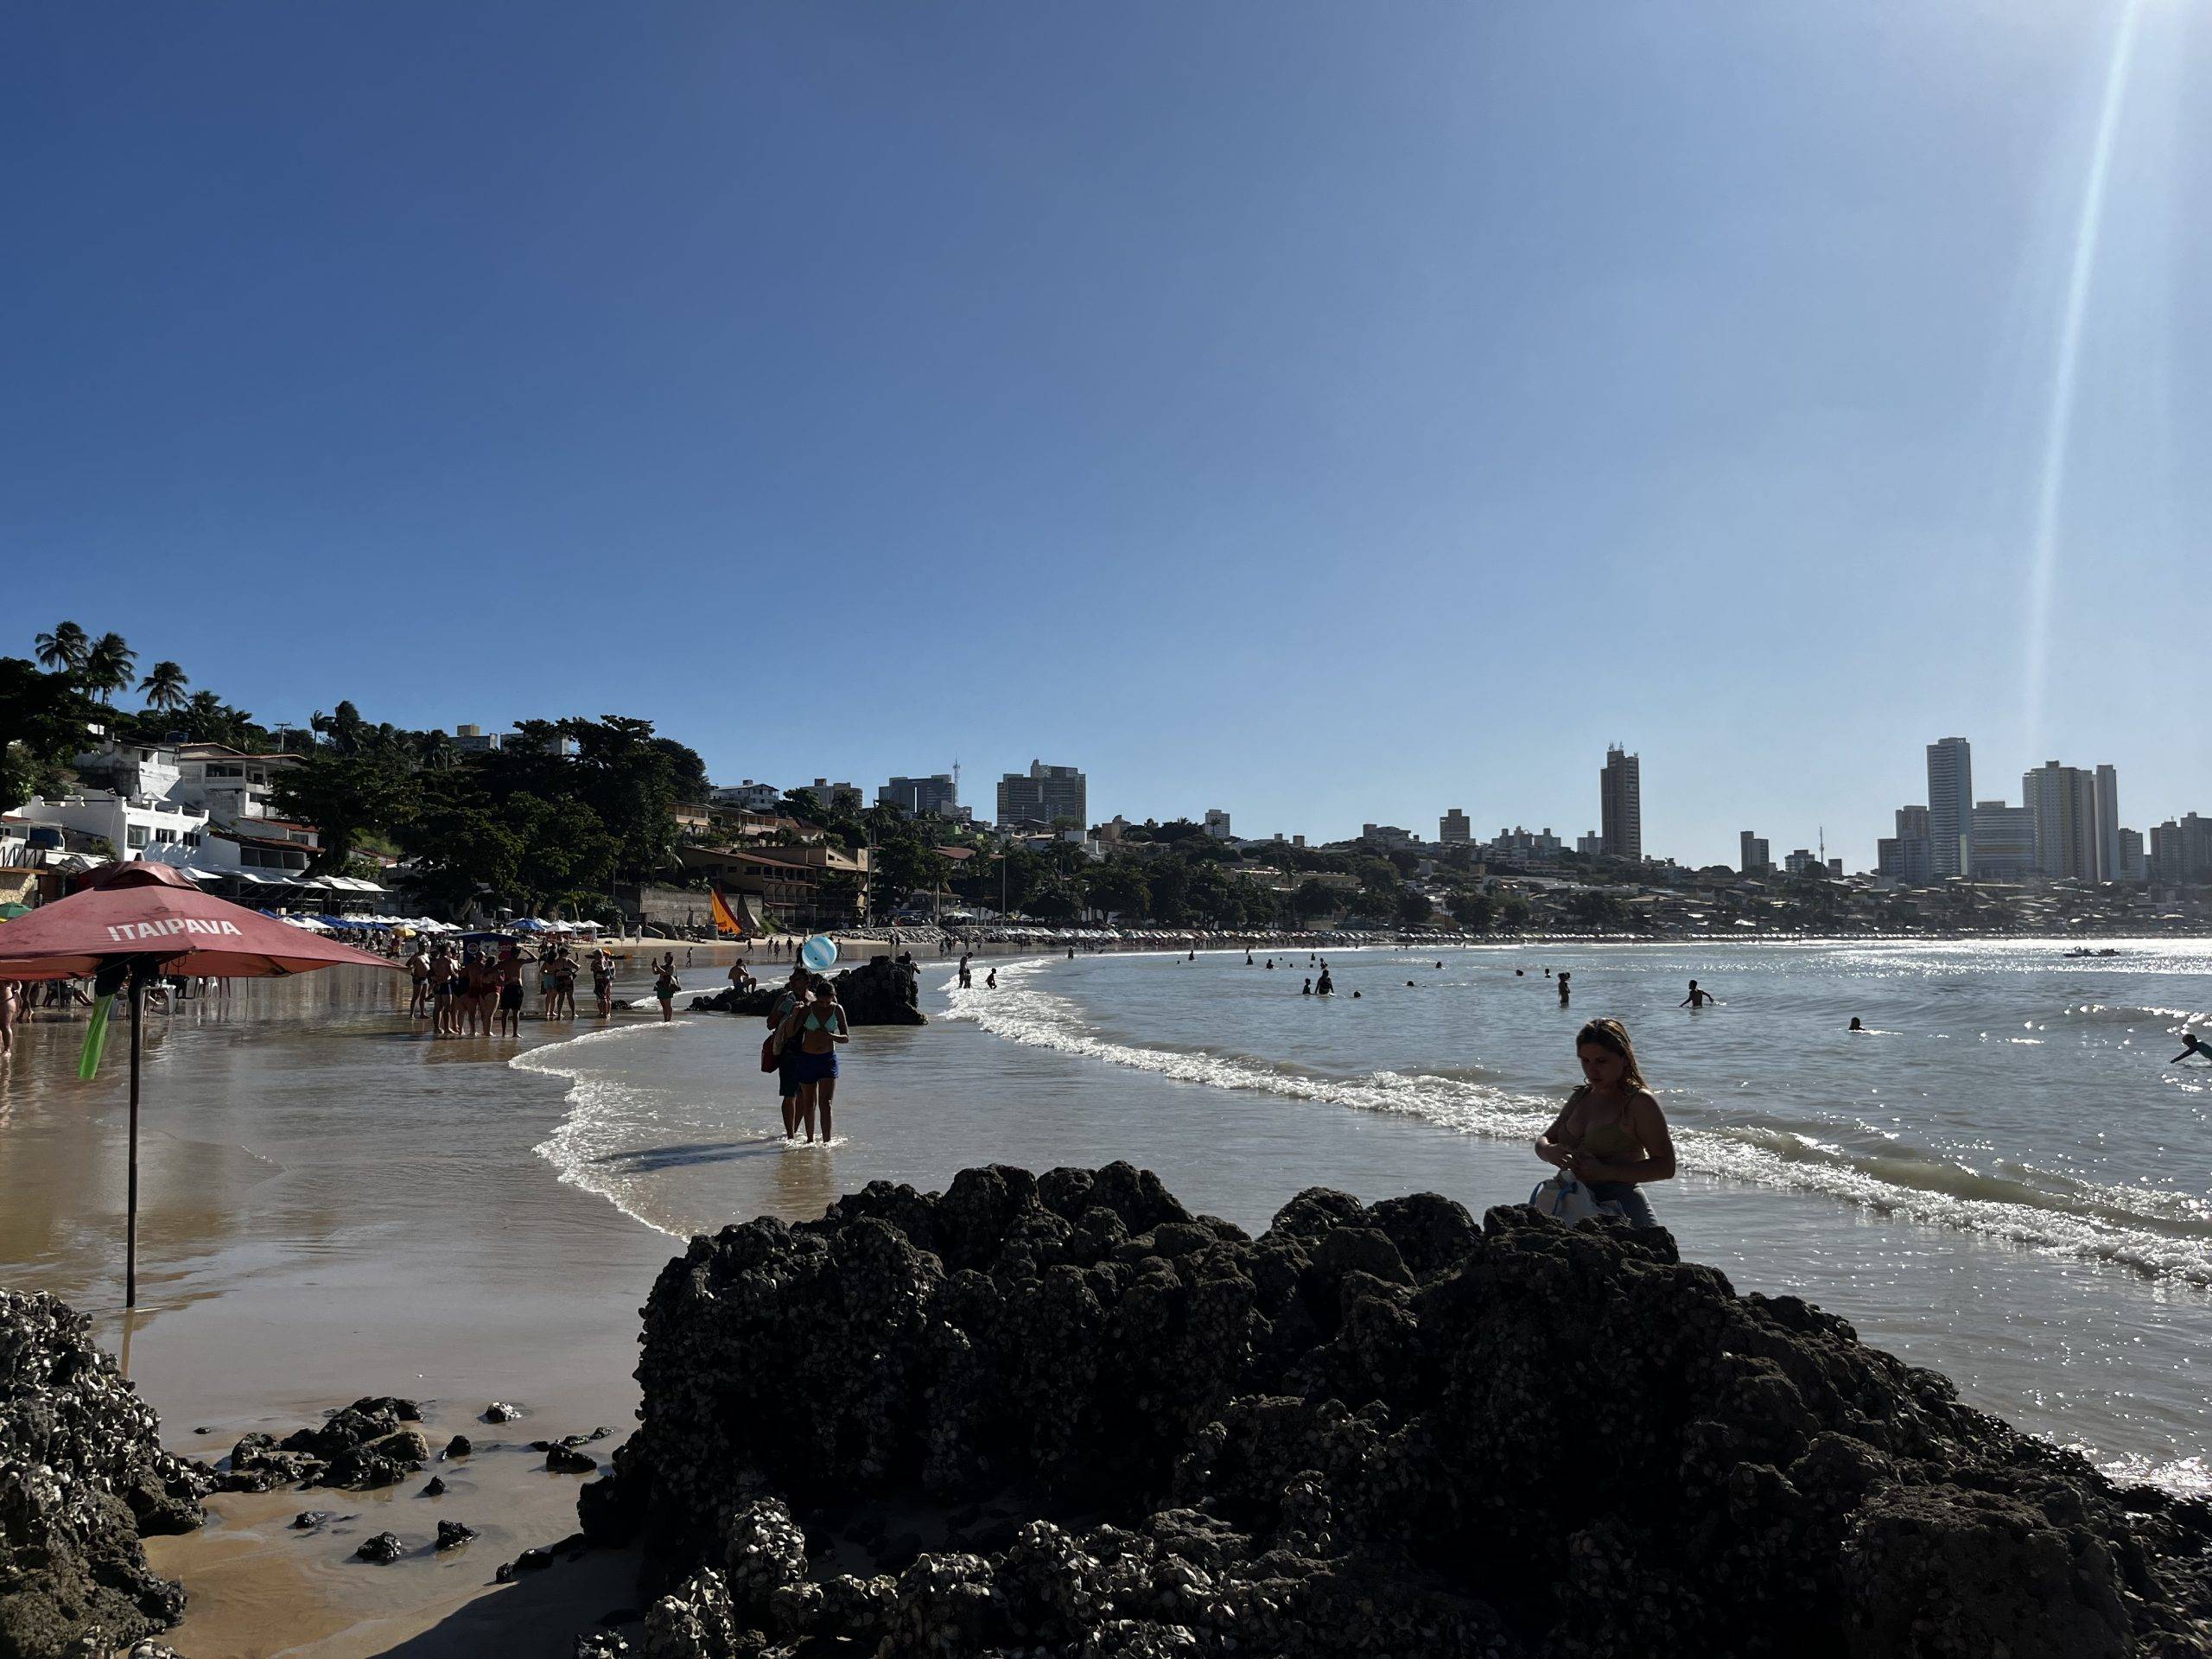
(1314, 900)
(564, 857)
(109, 664)
(164, 687)
(42, 722)
(1513, 912)
(1119, 885)
(459, 843)
(1474, 911)
(343, 797)
(1414, 907)
(63, 650)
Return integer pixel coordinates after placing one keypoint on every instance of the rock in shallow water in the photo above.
(500, 1412)
(1370, 1430)
(452, 1535)
(82, 1475)
(383, 1548)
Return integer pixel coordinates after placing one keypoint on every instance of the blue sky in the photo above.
(1330, 412)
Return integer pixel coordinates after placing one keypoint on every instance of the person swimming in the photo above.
(1563, 991)
(1307, 989)
(1324, 985)
(1697, 999)
(2191, 1044)
(1855, 1024)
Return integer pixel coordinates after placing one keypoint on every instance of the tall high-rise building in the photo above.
(1217, 824)
(1950, 807)
(1454, 829)
(1908, 857)
(2004, 840)
(1044, 795)
(1620, 802)
(1752, 854)
(2064, 801)
(912, 797)
(2133, 865)
(2181, 849)
(2107, 796)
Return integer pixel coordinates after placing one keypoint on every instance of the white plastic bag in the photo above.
(1564, 1198)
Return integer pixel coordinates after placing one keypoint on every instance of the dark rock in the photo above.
(530, 1560)
(880, 991)
(364, 1468)
(309, 1520)
(408, 1446)
(500, 1412)
(435, 1487)
(1140, 1432)
(601, 1644)
(458, 1447)
(388, 1405)
(259, 1465)
(344, 1431)
(383, 1548)
(566, 1460)
(82, 1478)
(452, 1535)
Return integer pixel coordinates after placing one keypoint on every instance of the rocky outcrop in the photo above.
(82, 1478)
(360, 1448)
(1060, 1414)
(881, 992)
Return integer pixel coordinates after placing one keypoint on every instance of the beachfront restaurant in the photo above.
(800, 889)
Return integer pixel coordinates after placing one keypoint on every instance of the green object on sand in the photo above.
(88, 1057)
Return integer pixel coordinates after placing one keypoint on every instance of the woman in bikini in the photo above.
(1611, 1136)
(814, 1029)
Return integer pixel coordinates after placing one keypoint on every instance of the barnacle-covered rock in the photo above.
(82, 1478)
(1060, 1414)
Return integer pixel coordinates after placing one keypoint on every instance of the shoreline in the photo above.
(442, 1257)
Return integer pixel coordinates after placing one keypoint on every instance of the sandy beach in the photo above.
(290, 1263)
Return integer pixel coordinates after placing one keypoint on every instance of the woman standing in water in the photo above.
(1611, 1136)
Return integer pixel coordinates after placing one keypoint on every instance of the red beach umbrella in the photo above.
(133, 923)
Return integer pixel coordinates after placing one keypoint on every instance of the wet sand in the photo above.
(333, 1205)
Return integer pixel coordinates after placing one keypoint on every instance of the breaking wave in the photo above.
(2160, 1233)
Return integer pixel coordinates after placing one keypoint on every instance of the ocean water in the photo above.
(2001, 1177)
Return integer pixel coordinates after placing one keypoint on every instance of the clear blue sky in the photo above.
(1329, 412)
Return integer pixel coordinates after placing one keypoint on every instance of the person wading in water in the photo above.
(1611, 1136)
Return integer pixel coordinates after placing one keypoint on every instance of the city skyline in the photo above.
(1391, 419)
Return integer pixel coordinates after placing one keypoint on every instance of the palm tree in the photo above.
(64, 648)
(164, 687)
(435, 749)
(108, 666)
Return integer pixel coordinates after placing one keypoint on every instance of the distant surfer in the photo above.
(1696, 998)
(2191, 1044)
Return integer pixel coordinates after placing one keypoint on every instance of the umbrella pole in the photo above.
(131, 1232)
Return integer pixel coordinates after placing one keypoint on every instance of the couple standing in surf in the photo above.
(808, 1024)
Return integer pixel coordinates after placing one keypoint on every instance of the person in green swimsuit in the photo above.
(1611, 1136)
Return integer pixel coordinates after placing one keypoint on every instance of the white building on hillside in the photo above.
(132, 825)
